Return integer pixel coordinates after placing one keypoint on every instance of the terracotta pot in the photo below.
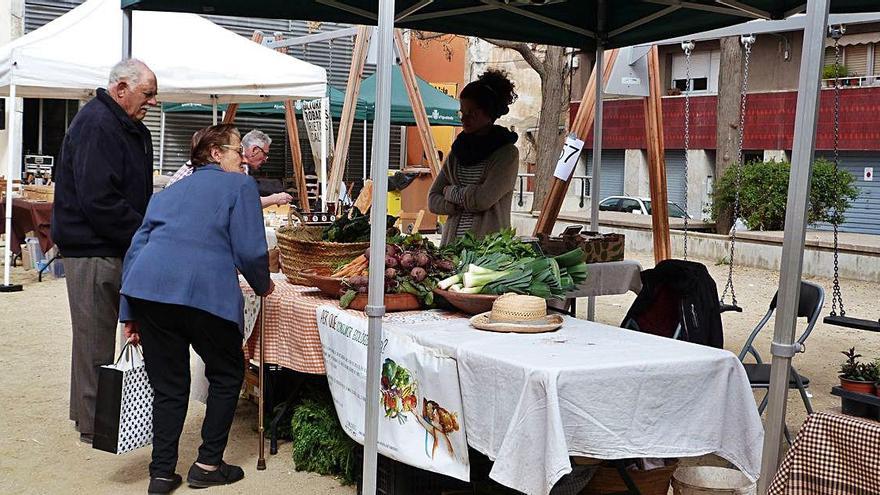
(858, 386)
(393, 302)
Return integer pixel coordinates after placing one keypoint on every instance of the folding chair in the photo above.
(810, 306)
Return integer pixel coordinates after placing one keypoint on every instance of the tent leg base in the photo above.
(11, 288)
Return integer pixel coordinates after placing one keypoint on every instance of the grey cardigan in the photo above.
(489, 200)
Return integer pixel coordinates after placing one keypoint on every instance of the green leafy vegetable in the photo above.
(320, 445)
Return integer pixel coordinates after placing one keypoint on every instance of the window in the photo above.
(675, 211)
(630, 206)
(702, 75)
(609, 205)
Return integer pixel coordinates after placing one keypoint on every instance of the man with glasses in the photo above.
(103, 182)
(254, 153)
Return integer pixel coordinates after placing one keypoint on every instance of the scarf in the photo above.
(471, 149)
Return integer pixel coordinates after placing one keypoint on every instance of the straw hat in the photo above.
(519, 314)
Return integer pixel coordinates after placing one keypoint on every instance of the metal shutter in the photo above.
(39, 13)
(611, 180)
(863, 216)
(676, 182)
(856, 59)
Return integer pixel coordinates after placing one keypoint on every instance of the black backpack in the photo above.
(678, 299)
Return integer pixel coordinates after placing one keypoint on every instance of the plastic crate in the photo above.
(397, 478)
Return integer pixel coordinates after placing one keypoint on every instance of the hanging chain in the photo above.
(836, 297)
(747, 42)
(688, 47)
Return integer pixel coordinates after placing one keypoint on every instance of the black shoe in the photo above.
(164, 485)
(225, 474)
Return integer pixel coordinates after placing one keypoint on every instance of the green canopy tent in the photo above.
(440, 108)
(585, 24)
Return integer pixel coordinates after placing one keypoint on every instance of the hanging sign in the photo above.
(568, 159)
(869, 174)
(421, 420)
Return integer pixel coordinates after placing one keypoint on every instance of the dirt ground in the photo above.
(40, 452)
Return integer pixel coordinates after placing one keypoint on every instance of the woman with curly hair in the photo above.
(475, 186)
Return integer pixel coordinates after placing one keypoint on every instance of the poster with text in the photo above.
(421, 422)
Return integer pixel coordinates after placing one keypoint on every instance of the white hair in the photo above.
(256, 138)
(130, 70)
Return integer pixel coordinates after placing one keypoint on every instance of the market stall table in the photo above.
(592, 390)
(28, 216)
(832, 453)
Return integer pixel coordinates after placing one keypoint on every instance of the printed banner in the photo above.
(420, 412)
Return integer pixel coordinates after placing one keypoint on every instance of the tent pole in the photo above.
(597, 161)
(162, 140)
(795, 231)
(126, 33)
(364, 175)
(10, 167)
(324, 153)
(376, 302)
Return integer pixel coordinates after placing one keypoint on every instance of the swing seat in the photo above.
(856, 323)
(730, 307)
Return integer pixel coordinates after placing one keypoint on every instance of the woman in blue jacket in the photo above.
(180, 288)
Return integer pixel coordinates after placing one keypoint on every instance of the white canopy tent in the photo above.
(194, 60)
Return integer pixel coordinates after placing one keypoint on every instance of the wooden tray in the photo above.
(472, 304)
(320, 279)
(393, 302)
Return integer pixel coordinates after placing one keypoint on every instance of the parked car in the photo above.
(639, 206)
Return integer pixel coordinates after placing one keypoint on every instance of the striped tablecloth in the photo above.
(832, 454)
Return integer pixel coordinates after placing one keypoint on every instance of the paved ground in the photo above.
(40, 451)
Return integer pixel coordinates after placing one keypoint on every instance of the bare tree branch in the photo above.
(525, 51)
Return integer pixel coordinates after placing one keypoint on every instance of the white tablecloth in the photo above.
(531, 401)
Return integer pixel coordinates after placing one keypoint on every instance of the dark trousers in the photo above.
(167, 331)
(93, 294)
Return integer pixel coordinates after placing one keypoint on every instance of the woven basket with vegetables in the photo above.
(304, 246)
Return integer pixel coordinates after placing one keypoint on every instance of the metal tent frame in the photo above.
(431, 13)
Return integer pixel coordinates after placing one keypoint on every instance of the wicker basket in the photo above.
(653, 482)
(302, 248)
(39, 193)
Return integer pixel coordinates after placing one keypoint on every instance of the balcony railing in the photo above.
(583, 183)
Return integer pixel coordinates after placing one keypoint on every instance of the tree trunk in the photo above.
(548, 141)
(727, 134)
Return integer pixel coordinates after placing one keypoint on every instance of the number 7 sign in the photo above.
(568, 158)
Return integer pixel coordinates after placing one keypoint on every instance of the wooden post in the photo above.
(296, 155)
(346, 121)
(232, 108)
(581, 126)
(656, 161)
(418, 106)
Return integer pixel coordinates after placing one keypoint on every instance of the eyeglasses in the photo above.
(263, 152)
(238, 149)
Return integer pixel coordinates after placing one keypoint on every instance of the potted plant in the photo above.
(831, 72)
(856, 376)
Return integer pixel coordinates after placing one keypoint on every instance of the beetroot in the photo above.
(422, 259)
(367, 253)
(407, 261)
(444, 265)
(358, 281)
(390, 273)
(390, 262)
(418, 274)
(391, 250)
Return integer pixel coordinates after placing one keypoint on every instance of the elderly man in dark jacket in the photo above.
(103, 184)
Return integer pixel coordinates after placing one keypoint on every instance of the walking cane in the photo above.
(261, 460)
